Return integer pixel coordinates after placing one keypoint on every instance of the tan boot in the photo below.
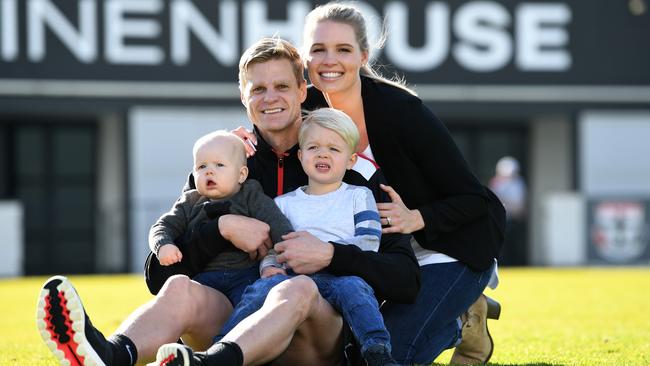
(477, 345)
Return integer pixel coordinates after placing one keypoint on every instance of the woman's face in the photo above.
(334, 57)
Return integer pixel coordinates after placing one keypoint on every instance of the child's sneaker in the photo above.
(66, 329)
(174, 354)
(379, 355)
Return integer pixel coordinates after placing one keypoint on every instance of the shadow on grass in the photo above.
(510, 364)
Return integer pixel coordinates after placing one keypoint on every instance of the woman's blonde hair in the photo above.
(348, 13)
(334, 120)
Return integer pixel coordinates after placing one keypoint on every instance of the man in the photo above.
(296, 326)
(304, 328)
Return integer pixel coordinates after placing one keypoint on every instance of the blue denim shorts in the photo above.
(230, 282)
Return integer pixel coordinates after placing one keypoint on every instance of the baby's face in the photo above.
(218, 172)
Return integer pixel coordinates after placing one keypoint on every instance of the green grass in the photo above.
(591, 316)
(108, 299)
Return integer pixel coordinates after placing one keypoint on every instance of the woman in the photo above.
(457, 224)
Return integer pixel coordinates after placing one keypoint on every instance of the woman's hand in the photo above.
(248, 234)
(303, 252)
(396, 217)
(250, 140)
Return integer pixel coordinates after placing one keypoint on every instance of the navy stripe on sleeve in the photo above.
(368, 215)
(367, 231)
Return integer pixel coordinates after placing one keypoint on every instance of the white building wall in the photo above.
(551, 172)
(111, 195)
(160, 159)
(614, 151)
(11, 238)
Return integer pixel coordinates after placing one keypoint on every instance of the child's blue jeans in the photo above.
(349, 295)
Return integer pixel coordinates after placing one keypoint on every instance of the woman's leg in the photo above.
(421, 331)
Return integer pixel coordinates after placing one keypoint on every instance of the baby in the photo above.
(188, 231)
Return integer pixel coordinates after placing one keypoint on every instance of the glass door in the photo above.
(483, 145)
(51, 168)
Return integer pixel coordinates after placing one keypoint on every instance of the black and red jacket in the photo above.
(393, 272)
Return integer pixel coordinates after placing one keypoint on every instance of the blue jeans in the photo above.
(251, 301)
(349, 295)
(421, 331)
(230, 282)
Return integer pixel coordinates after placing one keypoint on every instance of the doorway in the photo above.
(50, 167)
(482, 145)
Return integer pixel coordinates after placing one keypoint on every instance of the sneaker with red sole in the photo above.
(174, 354)
(66, 329)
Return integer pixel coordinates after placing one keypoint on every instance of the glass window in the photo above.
(53, 165)
(73, 153)
(30, 145)
(73, 206)
(4, 168)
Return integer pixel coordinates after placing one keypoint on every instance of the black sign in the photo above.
(603, 42)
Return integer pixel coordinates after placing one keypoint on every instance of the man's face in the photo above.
(272, 96)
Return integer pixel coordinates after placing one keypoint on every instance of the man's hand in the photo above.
(248, 234)
(169, 254)
(272, 271)
(304, 253)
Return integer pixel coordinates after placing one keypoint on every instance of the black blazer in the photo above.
(419, 158)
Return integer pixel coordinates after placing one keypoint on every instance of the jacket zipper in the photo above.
(280, 175)
(280, 169)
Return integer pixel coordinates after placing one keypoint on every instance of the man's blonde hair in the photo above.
(334, 120)
(238, 144)
(270, 48)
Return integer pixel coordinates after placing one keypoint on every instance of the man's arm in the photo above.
(243, 232)
(393, 272)
(263, 208)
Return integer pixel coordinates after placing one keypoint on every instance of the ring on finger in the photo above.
(388, 220)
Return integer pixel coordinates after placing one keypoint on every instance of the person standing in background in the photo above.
(509, 186)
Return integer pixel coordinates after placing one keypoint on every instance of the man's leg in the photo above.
(295, 326)
(251, 301)
(181, 307)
